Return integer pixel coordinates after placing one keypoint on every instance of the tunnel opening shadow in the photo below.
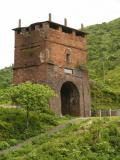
(70, 99)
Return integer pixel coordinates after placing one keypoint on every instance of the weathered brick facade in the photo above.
(50, 53)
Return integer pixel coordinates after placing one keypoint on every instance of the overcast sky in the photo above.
(87, 12)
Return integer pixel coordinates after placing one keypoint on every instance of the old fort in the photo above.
(51, 53)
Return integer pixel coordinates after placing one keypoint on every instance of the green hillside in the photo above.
(104, 48)
(82, 139)
(13, 127)
(104, 63)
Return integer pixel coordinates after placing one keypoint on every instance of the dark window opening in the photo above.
(32, 28)
(40, 25)
(79, 34)
(66, 30)
(54, 26)
(18, 31)
(68, 58)
(27, 29)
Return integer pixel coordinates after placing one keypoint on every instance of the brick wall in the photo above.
(40, 57)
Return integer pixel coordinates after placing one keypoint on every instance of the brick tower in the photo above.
(51, 53)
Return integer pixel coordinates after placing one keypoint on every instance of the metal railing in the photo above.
(103, 113)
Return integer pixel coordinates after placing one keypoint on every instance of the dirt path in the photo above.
(50, 131)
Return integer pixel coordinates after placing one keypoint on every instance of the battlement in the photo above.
(52, 25)
(49, 42)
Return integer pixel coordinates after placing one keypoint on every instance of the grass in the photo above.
(13, 125)
(89, 139)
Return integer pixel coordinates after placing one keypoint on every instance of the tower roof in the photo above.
(55, 26)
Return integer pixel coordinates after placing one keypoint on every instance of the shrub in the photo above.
(12, 142)
(49, 119)
(3, 145)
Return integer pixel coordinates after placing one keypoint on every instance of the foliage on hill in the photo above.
(5, 77)
(13, 127)
(32, 115)
(83, 140)
(104, 63)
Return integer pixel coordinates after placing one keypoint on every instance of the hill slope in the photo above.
(104, 63)
(82, 140)
(104, 47)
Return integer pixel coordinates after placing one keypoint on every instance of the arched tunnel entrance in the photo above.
(70, 99)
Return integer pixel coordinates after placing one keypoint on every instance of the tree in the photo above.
(4, 98)
(5, 77)
(31, 97)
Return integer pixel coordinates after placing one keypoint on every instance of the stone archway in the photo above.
(70, 99)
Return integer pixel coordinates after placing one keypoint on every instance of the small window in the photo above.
(68, 58)
(68, 55)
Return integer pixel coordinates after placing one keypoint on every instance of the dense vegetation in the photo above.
(31, 118)
(13, 125)
(83, 140)
(5, 77)
(104, 64)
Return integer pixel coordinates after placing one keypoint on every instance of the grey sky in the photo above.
(76, 11)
